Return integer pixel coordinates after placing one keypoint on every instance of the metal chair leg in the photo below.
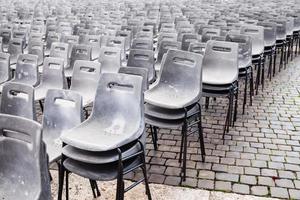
(274, 63)
(67, 185)
(145, 176)
(154, 137)
(245, 91)
(201, 138)
(251, 86)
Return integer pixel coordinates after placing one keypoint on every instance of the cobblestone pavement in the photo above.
(260, 155)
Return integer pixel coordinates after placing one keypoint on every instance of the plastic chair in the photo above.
(127, 37)
(142, 59)
(197, 47)
(6, 35)
(15, 47)
(187, 39)
(109, 158)
(5, 74)
(169, 102)
(23, 160)
(52, 77)
(63, 111)
(164, 46)
(71, 40)
(85, 80)
(220, 74)
(208, 33)
(94, 41)
(18, 99)
(60, 50)
(140, 43)
(27, 70)
(117, 42)
(110, 59)
(36, 48)
(79, 52)
(143, 72)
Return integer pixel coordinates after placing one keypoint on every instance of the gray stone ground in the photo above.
(260, 155)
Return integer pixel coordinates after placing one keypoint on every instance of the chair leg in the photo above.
(41, 105)
(206, 102)
(154, 136)
(183, 172)
(281, 58)
(285, 55)
(201, 138)
(67, 185)
(181, 145)
(245, 91)
(258, 76)
(263, 73)
(120, 181)
(92, 184)
(274, 63)
(236, 103)
(226, 125)
(145, 176)
(251, 86)
(270, 67)
(61, 174)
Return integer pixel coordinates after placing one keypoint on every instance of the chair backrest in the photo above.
(281, 28)
(197, 47)
(85, 75)
(127, 35)
(181, 68)
(208, 33)
(142, 59)
(5, 74)
(21, 35)
(27, 70)
(53, 73)
(6, 34)
(1, 44)
(269, 32)
(23, 160)
(15, 47)
(60, 50)
(257, 35)
(80, 52)
(52, 37)
(36, 47)
(169, 36)
(18, 99)
(220, 62)
(187, 39)
(94, 41)
(118, 42)
(62, 111)
(143, 72)
(71, 40)
(110, 59)
(164, 46)
(139, 43)
(119, 115)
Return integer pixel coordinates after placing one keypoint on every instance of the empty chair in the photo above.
(60, 50)
(110, 143)
(37, 48)
(220, 75)
(79, 52)
(197, 47)
(15, 48)
(173, 101)
(71, 40)
(27, 70)
(257, 35)
(117, 42)
(1, 44)
(51, 37)
(24, 168)
(164, 46)
(187, 39)
(85, 79)
(18, 99)
(127, 38)
(142, 59)
(244, 62)
(52, 77)
(62, 111)
(141, 43)
(6, 35)
(143, 72)
(208, 33)
(5, 74)
(94, 41)
(110, 59)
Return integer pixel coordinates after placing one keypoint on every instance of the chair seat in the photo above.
(96, 136)
(105, 172)
(40, 92)
(163, 123)
(53, 146)
(168, 114)
(216, 90)
(244, 63)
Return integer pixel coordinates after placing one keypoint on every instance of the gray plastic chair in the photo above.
(85, 80)
(5, 74)
(94, 41)
(110, 59)
(127, 37)
(197, 47)
(117, 42)
(52, 37)
(79, 52)
(220, 75)
(71, 40)
(143, 72)
(23, 169)
(208, 33)
(111, 123)
(142, 59)
(6, 35)
(18, 99)
(175, 93)
(164, 46)
(141, 43)
(27, 70)
(15, 48)
(63, 111)
(187, 39)
(52, 78)
(36, 47)
(60, 50)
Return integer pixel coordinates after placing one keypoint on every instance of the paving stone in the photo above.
(241, 188)
(223, 186)
(287, 174)
(157, 178)
(258, 163)
(227, 177)
(259, 190)
(205, 174)
(284, 183)
(235, 170)
(220, 168)
(190, 182)
(294, 194)
(297, 184)
(172, 180)
(266, 181)
(275, 165)
(279, 192)
(269, 172)
(251, 180)
(206, 184)
(252, 171)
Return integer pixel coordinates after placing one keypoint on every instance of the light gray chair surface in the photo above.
(110, 59)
